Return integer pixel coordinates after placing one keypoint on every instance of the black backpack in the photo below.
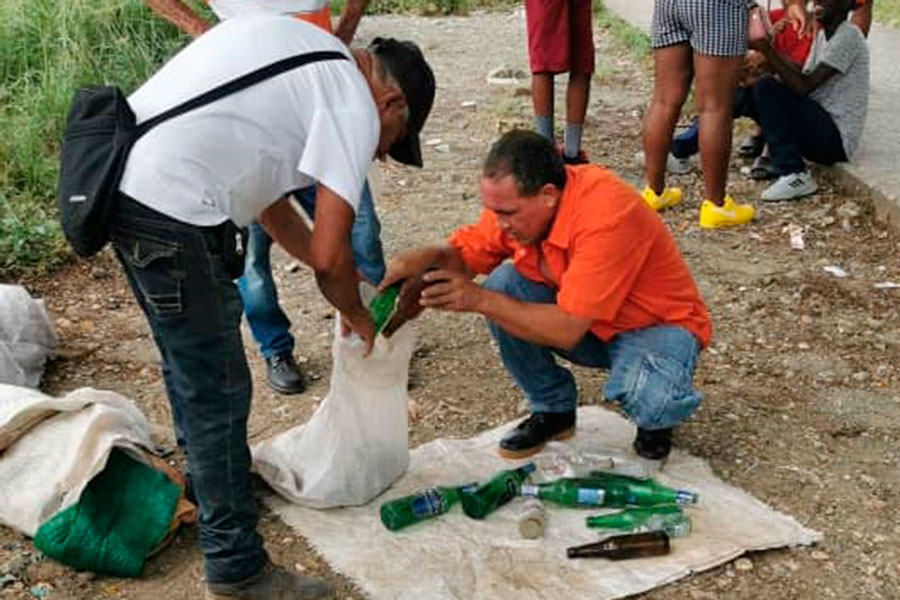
(100, 131)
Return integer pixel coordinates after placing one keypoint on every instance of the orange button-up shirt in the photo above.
(610, 258)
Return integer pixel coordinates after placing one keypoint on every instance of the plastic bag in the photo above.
(27, 338)
(356, 444)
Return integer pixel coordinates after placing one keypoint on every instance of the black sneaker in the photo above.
(529, 436)
(273, 583)
(751, 146)
(653, 444)
(283, 375)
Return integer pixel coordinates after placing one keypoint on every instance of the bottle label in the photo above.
(429, 504)
(590, 497)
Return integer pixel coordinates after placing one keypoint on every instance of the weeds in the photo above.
(47, 49)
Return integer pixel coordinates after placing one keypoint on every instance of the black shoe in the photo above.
(283, 375)
(529, 436)
(763, 169)
(653, 444)
(274, 583)
(751, 146)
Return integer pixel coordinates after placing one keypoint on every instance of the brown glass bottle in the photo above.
(621, 547)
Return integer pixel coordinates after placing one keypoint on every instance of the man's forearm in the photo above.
(180, 15)
(543, 324)
(339, 285)
(790, 75)
(350, 16)
(287, 228)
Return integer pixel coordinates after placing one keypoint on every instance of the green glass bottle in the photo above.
(495, 493)
(644, 492)
(575, 492)
(397, 514)
(381, 308)
(665, 517)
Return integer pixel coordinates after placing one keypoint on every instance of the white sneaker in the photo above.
(790, 187)
(674, 165)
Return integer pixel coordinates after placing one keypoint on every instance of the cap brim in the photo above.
(407, 151)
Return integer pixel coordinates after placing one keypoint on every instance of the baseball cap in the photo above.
(404, 61)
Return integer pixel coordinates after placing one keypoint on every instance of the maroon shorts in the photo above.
(559, 36)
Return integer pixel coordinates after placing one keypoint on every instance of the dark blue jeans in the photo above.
(794, 127)
(268, 323)
(194, 310)
(650, 370)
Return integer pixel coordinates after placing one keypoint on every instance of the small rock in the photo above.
(292, 267)
(743, 564)
(849, 210)
(99, 273)
(433, 141)
(41, 590)
(300, 568)
(819, 555)
(86, 576)
(469, 104)
(702, 595)
(412, 410)
(444, 148)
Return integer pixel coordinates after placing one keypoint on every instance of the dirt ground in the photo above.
(801, 383)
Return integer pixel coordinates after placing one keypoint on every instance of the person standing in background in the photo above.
(559, 41)
(703, 41)
(268, 322)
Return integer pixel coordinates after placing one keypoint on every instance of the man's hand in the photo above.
(800, 21)
(408, 305)
(451, 290)
(362, 325)
(762, 45)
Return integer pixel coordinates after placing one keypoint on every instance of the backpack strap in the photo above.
(238, 84)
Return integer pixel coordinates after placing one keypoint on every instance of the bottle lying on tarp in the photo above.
(498, 491)
(622, 547)
(397, 514)
(608, 490)
(665, 517)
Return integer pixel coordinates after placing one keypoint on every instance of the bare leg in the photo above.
(577, 94)
(542, 99)
(673, 71)
(716, 79)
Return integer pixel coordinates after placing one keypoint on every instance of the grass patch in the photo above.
(47, 49)
(887, 12)
(624, 36)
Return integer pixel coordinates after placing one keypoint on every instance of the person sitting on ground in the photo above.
(790, 42)
(560, 40)
(579, 267)
(815, 113)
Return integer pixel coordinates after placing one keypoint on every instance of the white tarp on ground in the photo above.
(457, 558)
(50, 448)
(27, 338)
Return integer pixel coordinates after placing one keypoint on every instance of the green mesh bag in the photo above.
(123, 514)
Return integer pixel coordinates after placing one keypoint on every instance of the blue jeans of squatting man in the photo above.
(650, 370)
(268, 323)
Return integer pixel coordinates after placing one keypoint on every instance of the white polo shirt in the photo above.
(227, 9)
(236, 156)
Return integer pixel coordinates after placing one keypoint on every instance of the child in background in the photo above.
(560, 40)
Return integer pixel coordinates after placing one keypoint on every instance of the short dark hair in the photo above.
(531, 159)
